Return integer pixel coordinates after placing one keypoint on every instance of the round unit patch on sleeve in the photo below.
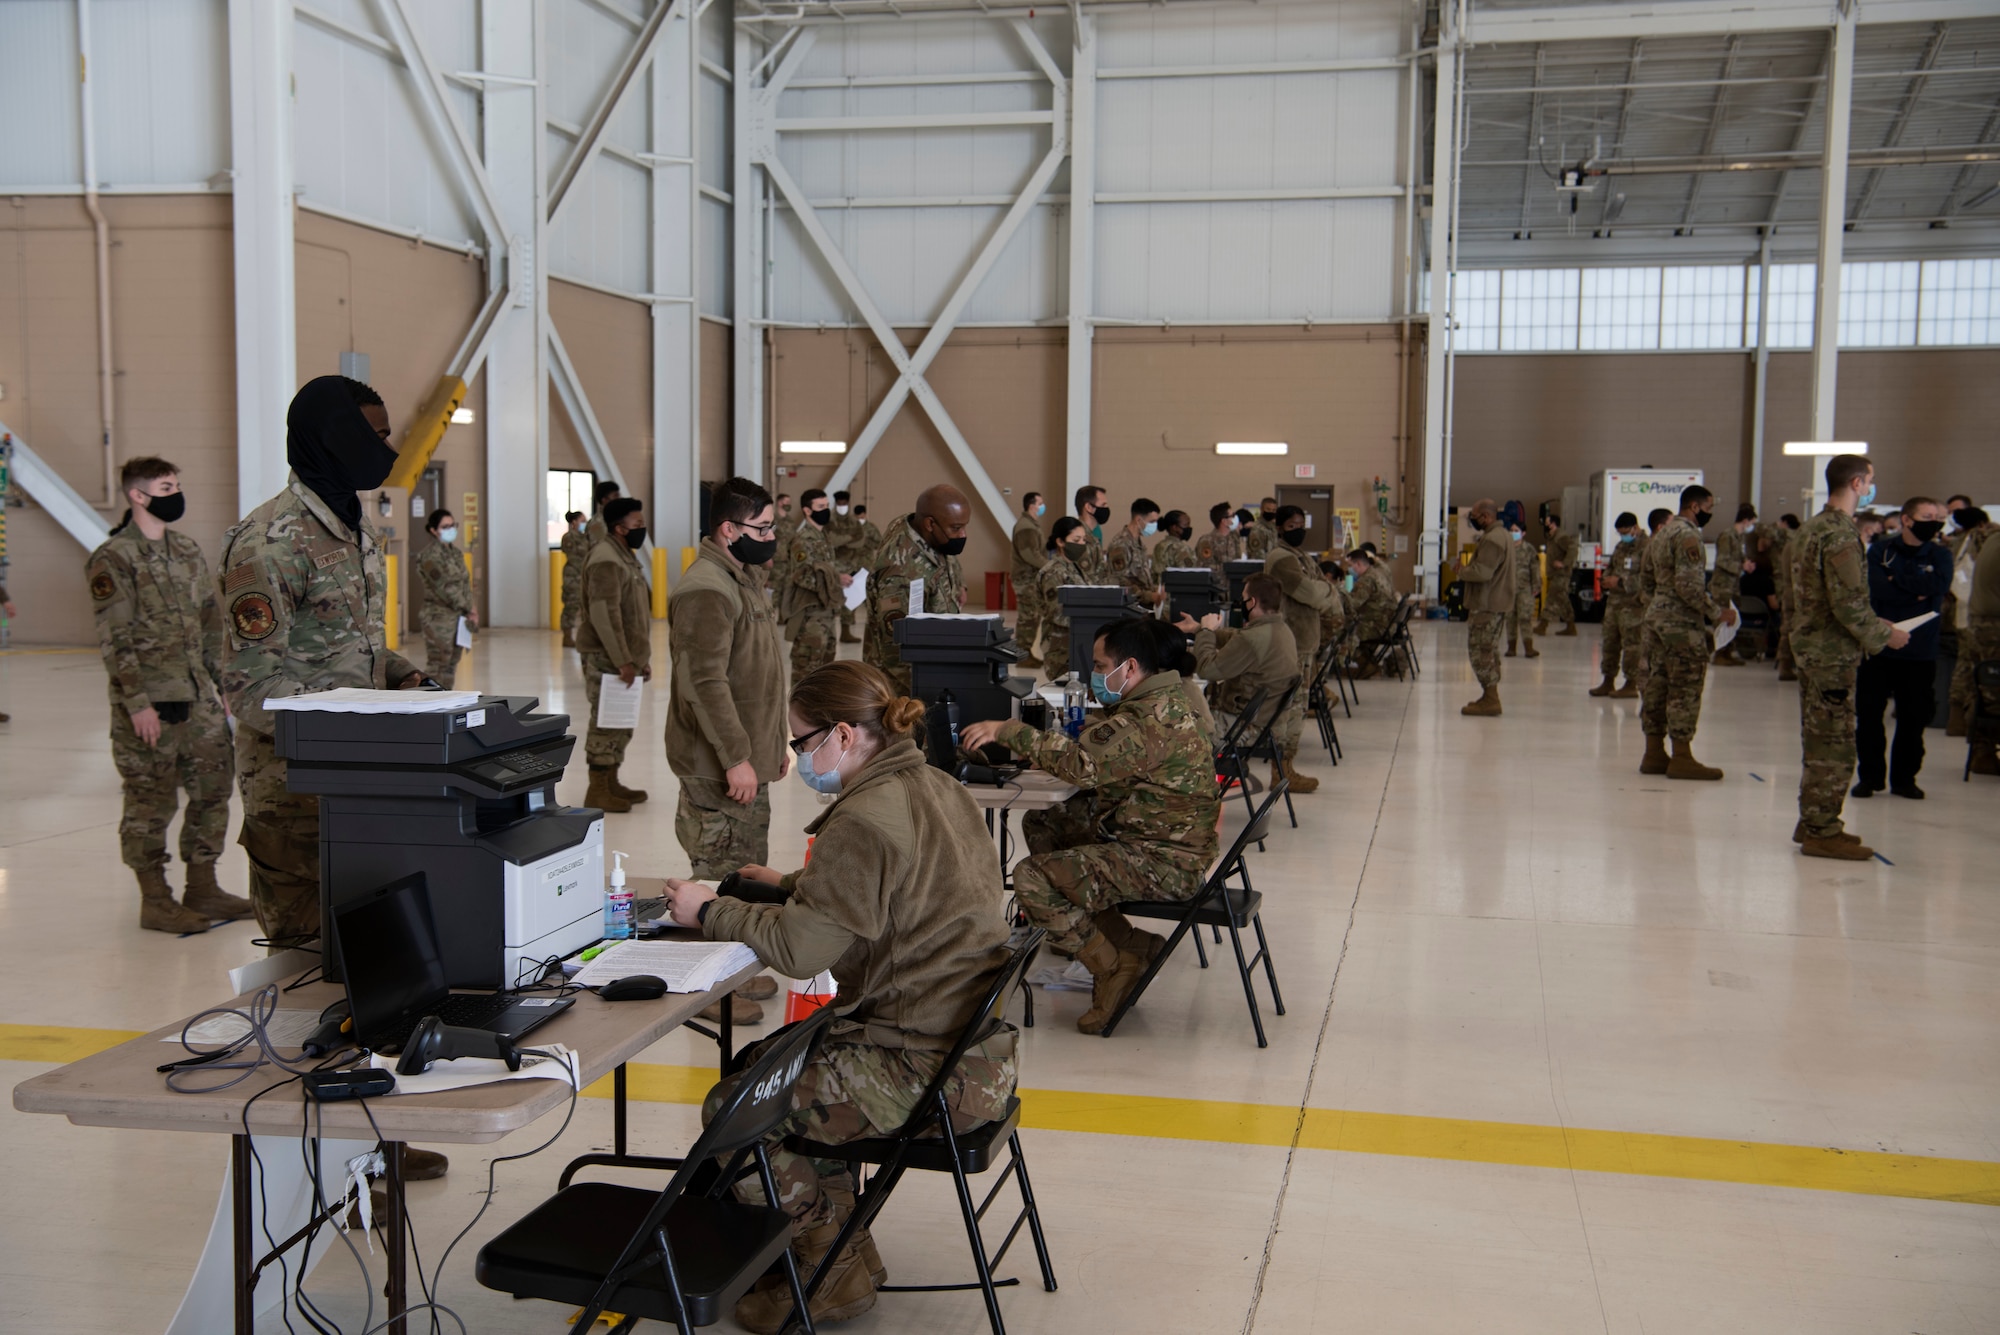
(102, 587)
(252, 616)
(1104, 733)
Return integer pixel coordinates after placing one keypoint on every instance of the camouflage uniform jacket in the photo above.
(1527, 572)
(1060, 571)
(1146, 763)
(447, 583)
(903, 900)
(1170, 553)
(1562, 553)
(1680, 594)
(1306, 594)
(159, 625)
(1215, 550)
(812, 579)
(1095, 569)
(575, 549)
(302, 598)
(843, 534)
(1373, 607)
(1831, 624)
(1030, 553)
(1128, 565)
(1624, 562)
(595, 530)
(1260, 540)
(867, 544)
(904, 558)
(1729, 553)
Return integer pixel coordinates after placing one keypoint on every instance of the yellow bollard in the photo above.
(659, 584)
(687, 557)
(556, 562)
(392, 603)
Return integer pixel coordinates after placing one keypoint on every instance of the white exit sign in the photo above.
(1305, 470)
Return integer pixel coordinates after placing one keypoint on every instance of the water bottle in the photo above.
(618, 903)
(1072, 719)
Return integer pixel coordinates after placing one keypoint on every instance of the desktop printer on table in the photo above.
(466, 796)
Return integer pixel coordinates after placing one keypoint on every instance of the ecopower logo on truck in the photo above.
(1650, 487)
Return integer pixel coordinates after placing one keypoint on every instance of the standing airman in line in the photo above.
(447, 586)
(812, 593)
(850, 553)
(1624, 612)
(615, 639)
(1561, 553)
(1678, 642)
(575, 548)
(1489, 594)
(1726, 583)
(1030, 555)
(1527, 578)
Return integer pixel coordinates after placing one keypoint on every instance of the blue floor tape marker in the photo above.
(1884, 861)
(1758, 777)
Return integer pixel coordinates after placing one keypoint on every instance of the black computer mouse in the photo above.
(638, 987)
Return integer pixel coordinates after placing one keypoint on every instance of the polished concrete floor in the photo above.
(1567, 1049)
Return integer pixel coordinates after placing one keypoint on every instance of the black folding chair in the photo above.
(1755, 632)
(928, 1143)
(1983, 724)
(1406, 612)
(1265, 747)
(1218, 905)
(684, 1254)
(1385, 652)
(1321, 706)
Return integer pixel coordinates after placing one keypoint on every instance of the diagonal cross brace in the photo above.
(637, 57)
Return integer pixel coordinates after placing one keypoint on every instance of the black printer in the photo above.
(967, 654)
(466, 796)
(1090, 608)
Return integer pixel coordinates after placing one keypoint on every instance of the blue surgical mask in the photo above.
(1348, 583)
(1515, 534)
(1868, 496)
(1154, 526)
(1105, 695)
(447, 535)
(828, 782)
(1624, 538)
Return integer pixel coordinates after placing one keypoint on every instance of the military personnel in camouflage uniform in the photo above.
(1030, 554)
(850, 553)
(1262, 535)
(1832, 627)
(924, 546)
(813, 589)
(786, 525)
(1527, 581)
(1489, 593)
(1979, 639)
(1090, 500)
(1142, 828)
(1371, 607)
(1678, 640)
(1066, 550)
(302, 601)
(160, 630)
(1725, 584)
(1126, 560)
(1788, 530)
(1261, 656)
(575, 548)
(1971, 545)
(615, 639)
(1624, 612)
(447, 596)
(1175, 551)
(1307, 594)
(1221, 544)
(1562, 551)
(600, 496)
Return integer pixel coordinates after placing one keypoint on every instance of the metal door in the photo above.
(1317, 502)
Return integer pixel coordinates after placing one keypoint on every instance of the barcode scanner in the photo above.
(435, 1041)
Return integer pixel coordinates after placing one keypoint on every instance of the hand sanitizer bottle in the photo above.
(618, 903)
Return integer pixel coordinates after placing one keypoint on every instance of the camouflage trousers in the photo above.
(572, 604)
(195, 756)
(1677, 661)
(1482, 645)
(1521, 621)
(1072, 872)
(603, 748)
(1557, 610)
(1055, 654)
(1033, 611)
(1786, 663)
(1979, 642)
(281, 836)
(1727, 591)
(718, 833)
(1826, 743)
(886, 656)
(1624, 641)
(1293, 721)
(815, 641)
(853, 1089)
(441, 651)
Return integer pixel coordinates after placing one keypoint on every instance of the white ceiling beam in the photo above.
(563, 377)
(77, 516)
(1693, 18)
(948, 120)
(1252, 71)
(637, 57)
(1940, 34)
(1832, 230)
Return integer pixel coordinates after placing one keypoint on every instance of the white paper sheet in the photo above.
(287, 1029)
(856, 593)
(617, 703)
(685, 966)
(464, 634)
(462, 1071)
(1725, 633)
(1907, 626)
(355, 700)
(916, 597)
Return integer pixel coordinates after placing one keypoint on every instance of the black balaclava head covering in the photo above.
(330, 445)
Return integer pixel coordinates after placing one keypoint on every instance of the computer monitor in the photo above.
(389, 957)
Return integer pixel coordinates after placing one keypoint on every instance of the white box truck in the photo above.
(1640, 490)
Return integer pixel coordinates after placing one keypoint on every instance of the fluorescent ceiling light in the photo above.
(812, 447)
(1252, 447)
(1826, 447)
(462, 417)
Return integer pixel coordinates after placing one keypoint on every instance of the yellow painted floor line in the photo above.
(1746, 1162)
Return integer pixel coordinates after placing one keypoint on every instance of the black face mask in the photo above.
(1073, 550)
(168, 508)
(1102, 514)
(752, 552)
(1184, 533)
(1267, 516)
(951, 548)
(330, 445)
(635, 538)
(1958, 516)
(1294, 537)
(1701, 518)
(818, 516)
(1925, 529)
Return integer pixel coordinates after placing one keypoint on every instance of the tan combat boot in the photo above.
(632, 795)
(1984, 761)
(1301, 783)
(1568, 630)
(1842, 848)
(1655, 760)
(210, 900)
(843, 1209)
(1512, 651)
(1727, 657)
(1606, 686)
(157, 910)
(848, 637)
(599, 793)
(1955, 724)
(1528, 649)
(1799, 835)
(1631, 690)
(569, 640)
(1487, 705)
(1685, 766)
(1119, 931)
(849, 1289)
(1785, 673)
(1113, 974)
(1541, 628)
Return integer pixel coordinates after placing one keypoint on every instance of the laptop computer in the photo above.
(395, 974)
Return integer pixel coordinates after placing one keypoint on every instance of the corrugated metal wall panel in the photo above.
(716, 291)
(605, 232)
(161, 90)
(42, 142)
